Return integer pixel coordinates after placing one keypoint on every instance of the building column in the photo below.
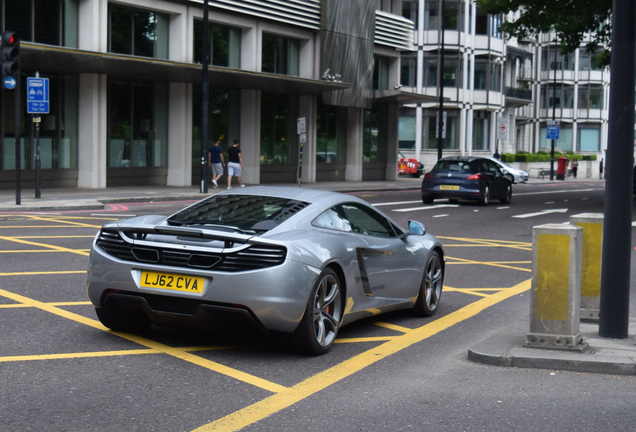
(308, 108)
(353, 166)
(92, 131)
(179, 134)
(393, 139)
(250, 136)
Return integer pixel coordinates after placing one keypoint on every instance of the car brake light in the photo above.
(428, 175)
(474, 177)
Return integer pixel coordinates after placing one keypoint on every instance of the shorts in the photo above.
(234, 169)
(217, 169)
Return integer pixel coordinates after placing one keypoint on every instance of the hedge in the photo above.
(542, 157)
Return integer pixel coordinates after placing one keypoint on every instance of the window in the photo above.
(452, 71)
(280, 55)
(51, 22)
(589, 139)
(356, 218)
(480, 132)
(278, 129)
(381, 73)
(408, 70)
(371, 148)
(406, 129)
(430, 71)
(328, 148)
(138, 32)
(225, 44)
(481, 74)
(431, 123)
(137, 124)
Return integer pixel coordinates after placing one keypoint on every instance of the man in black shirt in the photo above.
(235, 164)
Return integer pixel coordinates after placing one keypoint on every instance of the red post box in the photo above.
(562, 168)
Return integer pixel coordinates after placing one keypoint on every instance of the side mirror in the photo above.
(416, 228)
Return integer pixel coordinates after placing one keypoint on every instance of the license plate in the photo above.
(449, 187)
(172, 282)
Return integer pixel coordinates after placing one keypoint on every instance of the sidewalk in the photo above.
(503, 349)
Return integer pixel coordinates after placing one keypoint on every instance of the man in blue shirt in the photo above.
(216, 162)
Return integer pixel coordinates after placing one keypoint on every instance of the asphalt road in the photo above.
(62, 371)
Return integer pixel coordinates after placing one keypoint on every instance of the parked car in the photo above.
(515, 175)
(410, 167)
(296, 263)
(466, 177)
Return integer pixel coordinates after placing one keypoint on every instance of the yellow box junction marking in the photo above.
(277, 402)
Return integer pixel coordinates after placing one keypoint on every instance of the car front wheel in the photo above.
(431, 287)
(508, 197)
(485, 197)
(319, 326)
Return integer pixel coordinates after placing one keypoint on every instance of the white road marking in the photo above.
(431, 207)
(396, 203)
(541, 213)
(440, 215)
(554, 191)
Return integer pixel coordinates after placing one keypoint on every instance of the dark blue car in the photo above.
(466, 178)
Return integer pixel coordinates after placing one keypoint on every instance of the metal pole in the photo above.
(38, 166)
(617, 226)
(206, 97)
(554, 84)
(18, 154)
(440, 120)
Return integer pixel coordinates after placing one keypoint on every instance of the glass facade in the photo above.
(58, 141)
(480, 132)
(223, 121)
(137, 124)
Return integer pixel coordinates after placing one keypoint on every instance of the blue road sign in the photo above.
(553, 132)
(9, 83)
(38, 95)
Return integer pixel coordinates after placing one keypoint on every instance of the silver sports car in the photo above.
(297, 263)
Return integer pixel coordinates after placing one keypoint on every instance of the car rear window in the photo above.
(453, 165)
(246, 212)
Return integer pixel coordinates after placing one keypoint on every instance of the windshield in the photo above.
(247, 213)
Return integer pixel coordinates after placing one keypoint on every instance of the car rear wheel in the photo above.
(485, 197)
(319, 326)
(124, 321)
(427, 200)
(431, 287)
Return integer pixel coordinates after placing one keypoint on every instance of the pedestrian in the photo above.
(216, 162)
(600, 170)
(575, 167)
(234, 164)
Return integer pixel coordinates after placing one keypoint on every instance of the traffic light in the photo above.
(10, 59)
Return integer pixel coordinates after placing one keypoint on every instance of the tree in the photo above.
(572, 20)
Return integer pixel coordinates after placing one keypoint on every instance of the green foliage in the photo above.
(570, 19)
(542, 157)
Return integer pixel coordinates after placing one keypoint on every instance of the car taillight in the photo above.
(429, 176)
(474, 177)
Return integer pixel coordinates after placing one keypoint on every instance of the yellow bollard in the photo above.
(592, 224)
(556, 280)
